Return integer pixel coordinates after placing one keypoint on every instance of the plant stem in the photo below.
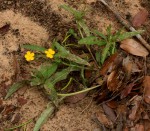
(69, 82)
(78, 92)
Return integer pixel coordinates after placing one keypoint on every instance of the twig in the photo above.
(126, 24)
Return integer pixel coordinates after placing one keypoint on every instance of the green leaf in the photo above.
(85, 28)
(62, 75)
(37, 74)
(91, 40)
(77, 14)
(105, 52)
(72, 32)
(128, 35)
(36, 81)
(98, 56)
(100, 34)
(44, 117)
(51, 91)
(48, 70)
(15, 87)
(58, 76)
(34, 47)
(63, 53)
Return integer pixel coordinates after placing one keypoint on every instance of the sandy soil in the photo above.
(38, 22)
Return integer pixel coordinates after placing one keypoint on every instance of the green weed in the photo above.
(59, 63)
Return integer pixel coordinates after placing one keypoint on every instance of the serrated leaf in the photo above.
(85, 28)
(126, 35)
(15, 87)
(34, 47)
(77, 14)
(91, 40)
(100, 34)
(105, 52)
(63, 53)
(44, 117)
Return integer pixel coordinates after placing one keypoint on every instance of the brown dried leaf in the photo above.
(103, 119)
(88, 74)
(126, 129)
(1, 102)
(109, 112)
(15, 118)
(134, 48)
(127, 64)
(139, 127)
(140, 18)
(147, 125)
(8, 109)
(112, 104)
(146, 84)
(127, 90)
(112, 81)
(136, 103)
(108, 64)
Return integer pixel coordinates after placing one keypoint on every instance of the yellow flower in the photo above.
(50, 53)
(29, 56)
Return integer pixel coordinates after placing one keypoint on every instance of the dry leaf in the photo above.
(126, 129)
(103, 119)
(112, 104)
(127, 64)
(147, 125)
(8, 109)
(108, 64)
(140, 18)
(88, 74)
(139, 127)
(112, 81)
(1, 102)
(136, 103)
(15, 118)
(146, 84)
(127, 90)
(109, 112)
(134, 48)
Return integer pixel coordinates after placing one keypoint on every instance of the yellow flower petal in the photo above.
(51, 51)
(46, 52)
(29, 56)
(49, 55)
(32, 54)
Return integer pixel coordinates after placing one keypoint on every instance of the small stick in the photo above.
(126, 24)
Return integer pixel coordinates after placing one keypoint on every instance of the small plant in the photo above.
(109, 41)
(57, 63)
